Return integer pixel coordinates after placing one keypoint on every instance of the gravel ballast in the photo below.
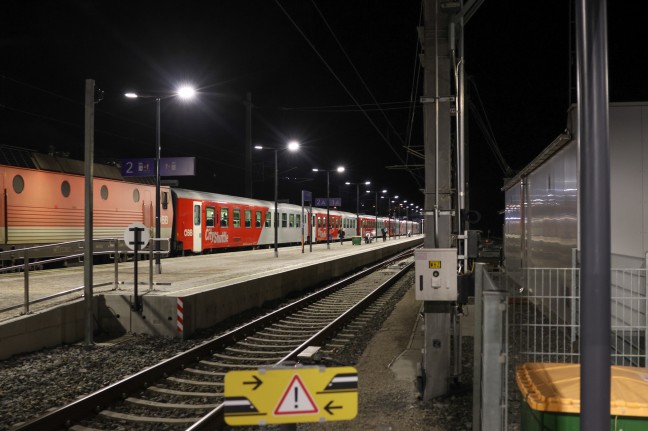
(33, 383)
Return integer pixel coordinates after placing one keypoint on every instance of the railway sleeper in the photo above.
(194, 382)
(241, 358)
(184, 393)
(257, 352)
(147, 419)
(148, 403)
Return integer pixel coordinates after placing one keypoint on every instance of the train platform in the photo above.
(191, 292)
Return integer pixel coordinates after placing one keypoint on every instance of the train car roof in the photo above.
(29, 159)
(218, 197)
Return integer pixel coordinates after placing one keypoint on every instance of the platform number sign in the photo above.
(130, 235)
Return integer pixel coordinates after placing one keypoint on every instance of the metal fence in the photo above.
(543, 325)
(544, 321)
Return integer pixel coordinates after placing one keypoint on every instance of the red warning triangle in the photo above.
(296, 400)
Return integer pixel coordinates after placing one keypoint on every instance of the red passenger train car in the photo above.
(43, 203)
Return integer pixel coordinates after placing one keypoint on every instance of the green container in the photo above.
(533, 420)
(356, 240)
(551, 397)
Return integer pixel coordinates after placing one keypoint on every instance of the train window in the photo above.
(136, 195)
(257, 219)
(237, 218)
(248, 218)
(196, 215)
(18, 184)
(65, 189)
(165, 200)
(224, 217)
(268, 220)
(210, 213)
(104, 192)
(284, 220)
(291, 220)
(298, 220)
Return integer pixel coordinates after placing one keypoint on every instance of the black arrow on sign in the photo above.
(257, 382)
(329, 407)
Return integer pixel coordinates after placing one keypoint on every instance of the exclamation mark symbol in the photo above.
(296, 394)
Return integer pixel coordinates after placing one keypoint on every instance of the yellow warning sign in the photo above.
(290, 395)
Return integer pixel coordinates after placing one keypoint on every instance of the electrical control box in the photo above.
(436, 274)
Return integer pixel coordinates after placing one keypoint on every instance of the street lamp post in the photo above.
(388, 210)
(366, 183)
(158, 151)
(292, 146)
(184, 92)
(396, 220)
(375, 213)
(328, 212)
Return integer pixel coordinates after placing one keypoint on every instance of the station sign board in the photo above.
(332, 202)
(169, 167)
(290, 395)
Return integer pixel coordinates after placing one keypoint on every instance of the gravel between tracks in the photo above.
(33, 383)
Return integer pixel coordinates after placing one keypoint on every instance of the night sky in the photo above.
(315, 70)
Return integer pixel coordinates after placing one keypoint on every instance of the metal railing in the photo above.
(542, 324)
(31, 258)
(545, 316)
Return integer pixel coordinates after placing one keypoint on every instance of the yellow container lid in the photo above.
(555, 387)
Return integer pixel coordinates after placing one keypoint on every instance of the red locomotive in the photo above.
(43, 203)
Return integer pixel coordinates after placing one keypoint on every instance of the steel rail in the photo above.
(64, 416)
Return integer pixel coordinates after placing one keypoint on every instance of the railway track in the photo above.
(186, 392)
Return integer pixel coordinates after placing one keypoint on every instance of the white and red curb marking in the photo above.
(180, 307)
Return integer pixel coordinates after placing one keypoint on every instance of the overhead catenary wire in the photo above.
(344, 87)
(416, 80)
(481, 119)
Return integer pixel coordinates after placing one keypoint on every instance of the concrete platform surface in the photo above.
(191, 292)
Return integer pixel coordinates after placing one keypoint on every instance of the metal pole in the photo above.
(594, 190)
(388, 215)
(150, 259)
(248, 145)
(276, 213)
(328, 243)
(26, 282)
(88, 208)
(376, 212)
(158, 150)
(138, 238)
(116, 263)
(303, 221)
(358, 209)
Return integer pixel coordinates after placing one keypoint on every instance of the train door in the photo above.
(197, 227)
(147, 210)
(4, 226)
